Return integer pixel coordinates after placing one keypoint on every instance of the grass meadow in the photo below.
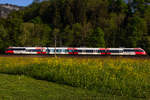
(123, 77)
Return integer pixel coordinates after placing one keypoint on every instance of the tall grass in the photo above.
(119, 76)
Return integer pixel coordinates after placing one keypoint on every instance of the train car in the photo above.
(34, 50)
(89, 51)
(23, 50)
(59, 50)
(39, 50)
(75, 51)
(125, 51)
(16, 50)
(114, 51)
(134, 51)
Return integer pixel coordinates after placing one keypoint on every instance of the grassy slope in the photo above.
(24, 88)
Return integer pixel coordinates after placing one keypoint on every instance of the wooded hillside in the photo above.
(79, 23)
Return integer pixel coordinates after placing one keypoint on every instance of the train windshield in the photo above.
(139, 50)
(128, 50)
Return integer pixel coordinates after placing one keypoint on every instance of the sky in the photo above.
(17, 2)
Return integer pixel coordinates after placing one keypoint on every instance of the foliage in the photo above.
(122, 24)
(97, 38)
(3, 37)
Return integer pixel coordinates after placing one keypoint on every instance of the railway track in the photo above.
(75, 56)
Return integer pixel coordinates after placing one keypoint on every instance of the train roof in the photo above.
(73, 47)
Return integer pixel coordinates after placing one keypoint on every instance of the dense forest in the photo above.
(79, 23)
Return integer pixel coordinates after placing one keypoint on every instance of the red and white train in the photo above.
(75, 51)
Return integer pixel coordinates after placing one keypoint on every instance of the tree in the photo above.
(37, 20)
(3, 38)
(117, 6)
(147, 19)
(67, 14)
(113, 30)
(80, 7)
(13, 27)
(55, 15)
(139, 6)
(97, 38)
(145, 44)
(97, 12)
(55, 36)
(135, 30)
(35, 35)
(36, 1)
(77, 29)
(67, 36)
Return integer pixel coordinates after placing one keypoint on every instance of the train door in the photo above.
(102, 51)
(108, 51)
(128, 52)
(70, 51)
(47, 50)
(43, 51)
(75, 51)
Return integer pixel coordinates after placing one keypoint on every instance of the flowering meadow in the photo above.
(117, 76)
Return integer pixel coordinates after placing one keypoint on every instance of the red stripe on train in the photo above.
(10, 51)
(108, 53)
(43, 52)
(38, 52)
(140, 53)
(103, 53)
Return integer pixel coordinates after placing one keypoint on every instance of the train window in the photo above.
(101, 51)
(89, 51)
(66, 50)
(63, 50)
(70, 50)
(58, 50)
(33, 50)
(128, 50)
(52, 50)
(75, 50)
(16, 49)
(120, 51)
(79, 50)
(47, 50)
(115, 51)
